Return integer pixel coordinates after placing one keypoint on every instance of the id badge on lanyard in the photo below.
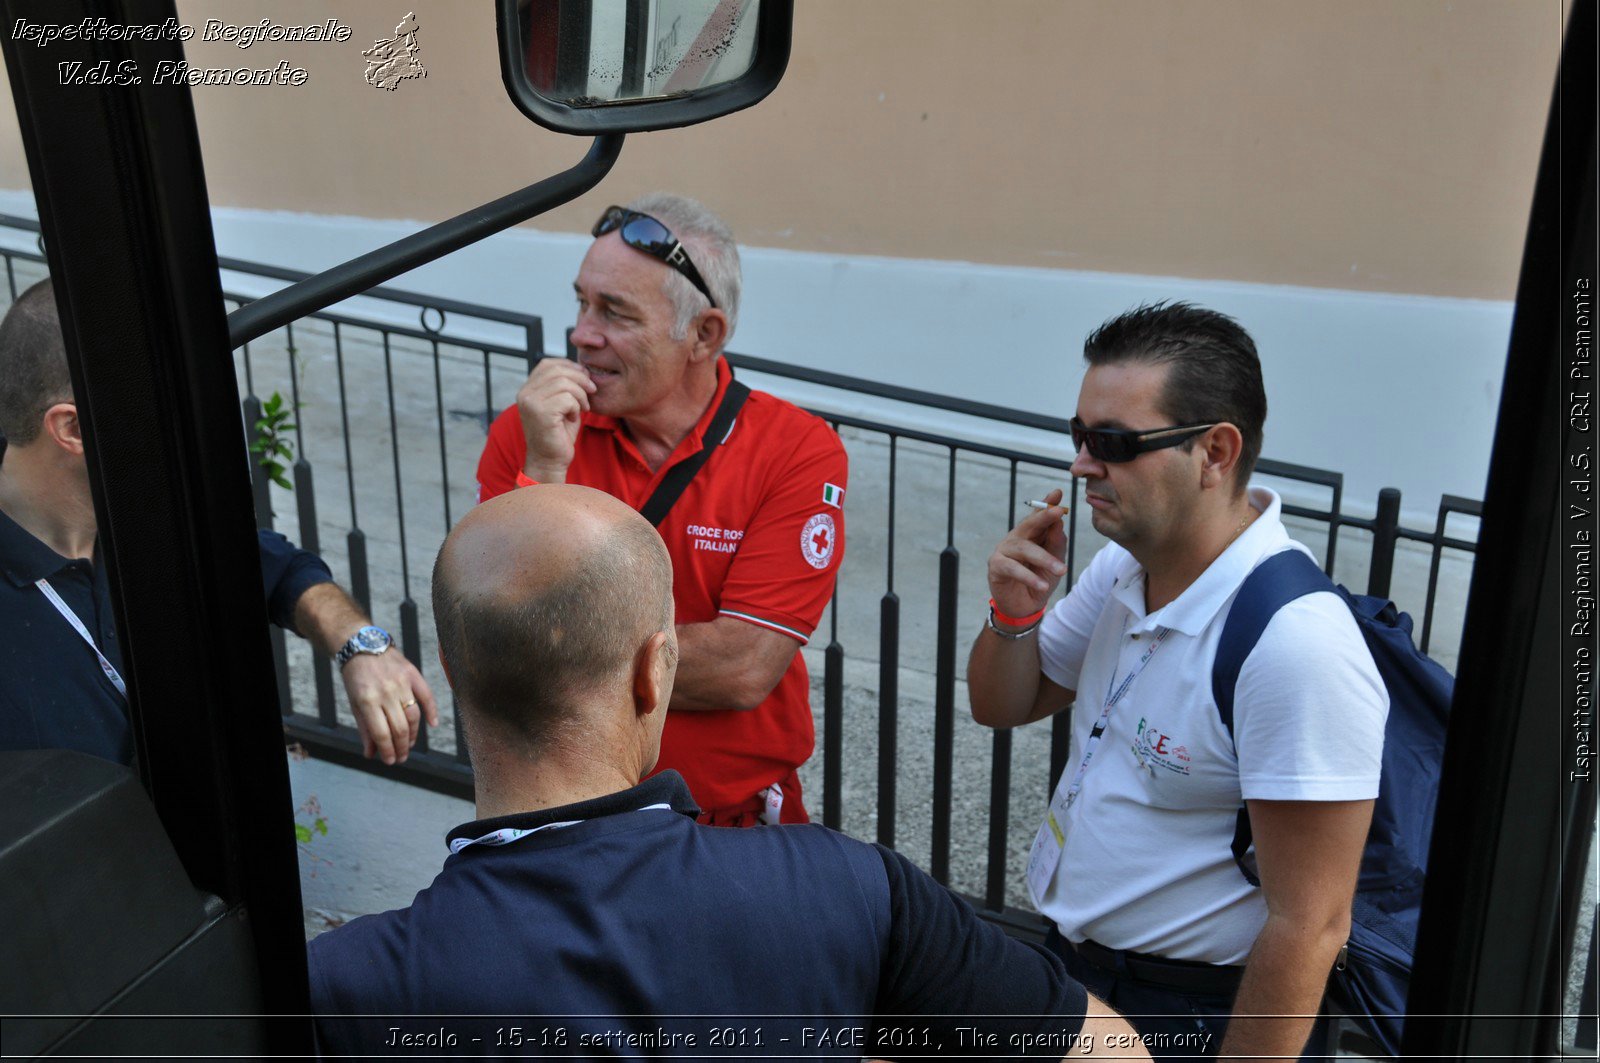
(1045, 856)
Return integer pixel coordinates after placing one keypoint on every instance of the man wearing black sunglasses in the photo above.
(745, 489)
(1134, 864)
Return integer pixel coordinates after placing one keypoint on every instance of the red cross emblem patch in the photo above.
(816, 541)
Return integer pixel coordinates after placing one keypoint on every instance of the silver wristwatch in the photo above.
(370, 639)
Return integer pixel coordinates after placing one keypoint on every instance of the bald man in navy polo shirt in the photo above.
(591, 914)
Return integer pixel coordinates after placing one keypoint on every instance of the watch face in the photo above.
(372, 640)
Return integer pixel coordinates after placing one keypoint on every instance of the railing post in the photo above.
(889, 674)
(305, 497)
(355, 545)
(944, 714)
(994, 894)
(1385, 535)
(356, 539)
(833, 733)
(888, 714)
(444, 453)
(833, 716)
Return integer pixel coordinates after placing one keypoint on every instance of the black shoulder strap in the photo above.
(677, 479)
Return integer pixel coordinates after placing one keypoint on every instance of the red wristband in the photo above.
(524, 481)
(1014, 621)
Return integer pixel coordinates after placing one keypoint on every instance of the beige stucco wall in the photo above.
(1365, 144)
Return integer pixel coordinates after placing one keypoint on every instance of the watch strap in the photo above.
(353, 645)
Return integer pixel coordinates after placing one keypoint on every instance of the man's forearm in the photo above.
(326, 617)
(1003, 679)
(728, 664)
(1282, 991)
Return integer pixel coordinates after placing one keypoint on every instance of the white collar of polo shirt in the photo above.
(1191, 611)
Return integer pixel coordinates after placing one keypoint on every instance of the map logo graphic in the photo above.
(392, 61)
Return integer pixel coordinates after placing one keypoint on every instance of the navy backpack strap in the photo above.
(1277, 581)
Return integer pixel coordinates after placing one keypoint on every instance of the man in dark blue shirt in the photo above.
(586, 913)
(60, 680)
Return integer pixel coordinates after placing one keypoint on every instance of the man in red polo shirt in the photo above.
(756, 533)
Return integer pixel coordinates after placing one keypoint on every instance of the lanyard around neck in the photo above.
(77, 625)
(1111, 700)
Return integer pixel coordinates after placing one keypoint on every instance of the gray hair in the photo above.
(33, 364)
(710, 244)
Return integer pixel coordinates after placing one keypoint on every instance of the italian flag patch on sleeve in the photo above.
(833, 495)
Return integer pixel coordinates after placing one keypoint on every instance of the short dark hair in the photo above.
(520, 661)
(33, 364)
(1214, 375)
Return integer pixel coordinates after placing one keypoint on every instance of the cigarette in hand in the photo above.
(1034, 503)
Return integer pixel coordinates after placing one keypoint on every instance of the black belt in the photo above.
(1185, 976)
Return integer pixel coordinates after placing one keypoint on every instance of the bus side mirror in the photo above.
(627, 66)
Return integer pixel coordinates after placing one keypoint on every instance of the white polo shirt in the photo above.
(1146, 862)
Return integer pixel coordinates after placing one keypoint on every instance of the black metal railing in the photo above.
(433, 346)
(397, 414)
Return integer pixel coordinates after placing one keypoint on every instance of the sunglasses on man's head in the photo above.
(1116, 445)
(643, 233)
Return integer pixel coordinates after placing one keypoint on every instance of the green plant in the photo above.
(311, 808)
(271, 443)
(319, 823)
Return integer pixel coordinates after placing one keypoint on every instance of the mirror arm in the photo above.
(256, 319)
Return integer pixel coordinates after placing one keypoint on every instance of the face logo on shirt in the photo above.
(816, 541)
(1156, 750)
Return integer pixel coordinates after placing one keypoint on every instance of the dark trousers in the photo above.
(1175, 1023)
